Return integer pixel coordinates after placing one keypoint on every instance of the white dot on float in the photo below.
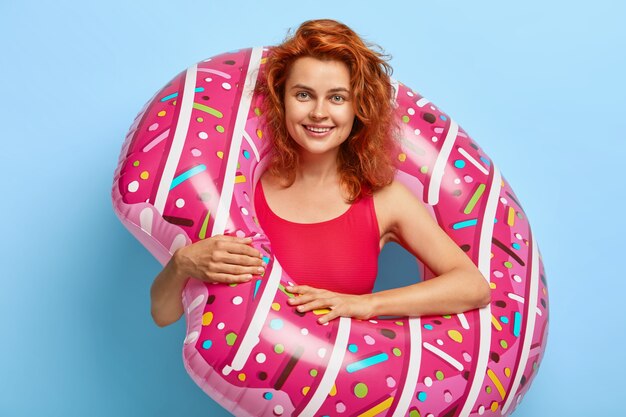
(153, 127)
(244, 211)
(440, 342)
(517, 278)
(203, 135)
(196, 152)
(237, 300)
(434, 138)
(208, 79)
(226, 86)
(220, 326)
(304, 331)
(180, 203)
(503, 200)
(133, 186)
(321, 353)
(411, 111)
(417, 131)
(410, 94)
(260, 358)
(278, 410)
(428, 381)
(457, 181)
(481, 410)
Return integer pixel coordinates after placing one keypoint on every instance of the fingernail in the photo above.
(261, 269)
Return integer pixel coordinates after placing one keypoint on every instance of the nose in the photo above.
(318, 112)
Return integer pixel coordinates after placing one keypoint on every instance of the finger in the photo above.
(301, 299)
(230, 238)
(316, 304)
(223, 278)
(240, 248)
(234, 269)
(328, 317)
(302, 289)
(244, 260)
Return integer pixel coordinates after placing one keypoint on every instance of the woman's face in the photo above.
(318, 104)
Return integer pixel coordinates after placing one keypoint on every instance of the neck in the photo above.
(317, 169)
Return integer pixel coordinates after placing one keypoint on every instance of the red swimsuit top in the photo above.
(339, 255)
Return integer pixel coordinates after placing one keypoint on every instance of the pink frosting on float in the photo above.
(188, 169)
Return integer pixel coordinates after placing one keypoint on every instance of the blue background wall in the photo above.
(538, 85)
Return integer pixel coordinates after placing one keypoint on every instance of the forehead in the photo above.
(319, 74)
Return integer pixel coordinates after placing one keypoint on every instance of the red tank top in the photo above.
(339, 255)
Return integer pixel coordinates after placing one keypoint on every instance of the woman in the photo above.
(329, 194)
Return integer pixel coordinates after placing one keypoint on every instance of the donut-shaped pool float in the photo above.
(187, 171)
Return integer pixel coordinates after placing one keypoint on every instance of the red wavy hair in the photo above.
(364, 159)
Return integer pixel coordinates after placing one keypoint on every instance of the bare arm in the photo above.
(219, 259)
(457, 286)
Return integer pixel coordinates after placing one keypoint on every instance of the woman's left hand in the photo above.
(335, 304)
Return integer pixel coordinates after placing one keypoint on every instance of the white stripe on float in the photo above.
(443, 355)
(332, 369)
(484, 265)
(440, 164)
(251, 337)
(529, 330)
(413, 370)
(178, 142)
(223, 207)
(252, 145)
(473, 161)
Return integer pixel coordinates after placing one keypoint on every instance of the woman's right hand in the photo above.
(220, 259)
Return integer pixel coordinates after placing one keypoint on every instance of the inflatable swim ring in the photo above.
(187, 171)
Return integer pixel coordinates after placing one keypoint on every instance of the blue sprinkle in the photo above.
(199, 89)
(485, 160)
(276, 324)
(421, 396)
(266, 259)
(428, 326)
(207, 344)
(504, 319)
(459, 163)
(442, 117)
(515, 245)
(246, 154)
(353, 348)
(257, 285)
(517, 323)
(268, 395)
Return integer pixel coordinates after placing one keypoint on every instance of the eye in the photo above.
(338, 98)
(302, 95)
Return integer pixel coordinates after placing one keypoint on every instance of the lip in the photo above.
(317, 134)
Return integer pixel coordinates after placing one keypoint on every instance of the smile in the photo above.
(318, 129)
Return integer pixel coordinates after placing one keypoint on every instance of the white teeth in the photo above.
(318, 129)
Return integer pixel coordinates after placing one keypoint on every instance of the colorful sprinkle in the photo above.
(207, 344)
(209, 110)
(367, 362)
(421, 396)
(353, 348)
(231, 338)
(360, 390)
(207, 318)
(186, 175)
(459, 163)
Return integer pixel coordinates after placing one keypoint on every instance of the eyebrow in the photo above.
(332, 90)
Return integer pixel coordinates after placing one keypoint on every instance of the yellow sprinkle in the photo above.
(263, 60)
(492, 285)
(321, 311)
(494, 406)
(497, 383)
(333, 391)
(305, 390)
(207, 318)
(161, 113)
(220, 154)
(174, 103)
(402, 157)
(400, 323)
(507, 372)
(496, 323)
(378, 408)
(242, 377)
(240, 179)
(455, 335)
(259, 133)
(275, 306)
(144, 175)
(511, 219)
